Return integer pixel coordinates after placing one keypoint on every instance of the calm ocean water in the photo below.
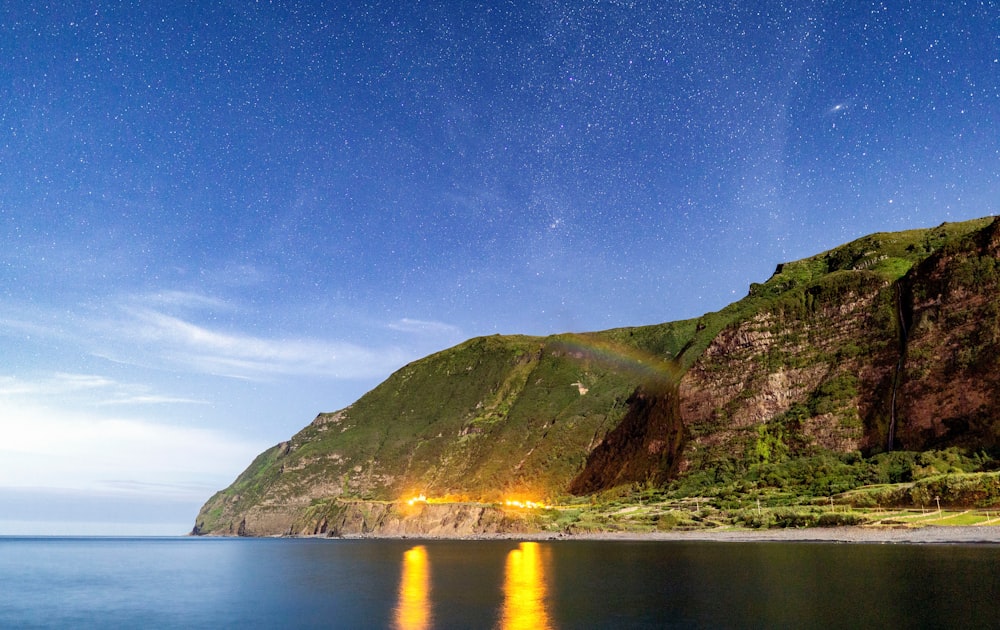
(274, 583)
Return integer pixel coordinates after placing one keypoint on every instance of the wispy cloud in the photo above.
(152, 399)
(423, 327)
(99, 389)
(187, 299)
(53, 385)
(30, 327)
(193, 332)
(246, 356)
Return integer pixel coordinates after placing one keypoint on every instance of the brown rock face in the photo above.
(950, 388)
(380, 518)
(864, 362)
(431, 520)
(820, 370)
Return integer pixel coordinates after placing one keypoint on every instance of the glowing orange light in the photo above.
(417, 499)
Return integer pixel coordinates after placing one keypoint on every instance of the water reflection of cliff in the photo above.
(525, 589)
(413, 612)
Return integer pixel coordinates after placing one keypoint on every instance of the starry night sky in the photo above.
(219, 219)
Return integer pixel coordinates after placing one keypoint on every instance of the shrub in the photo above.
(794, 518)
(753, 518)
(666, 521)
(837, 519)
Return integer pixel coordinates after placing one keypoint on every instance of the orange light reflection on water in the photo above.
(525, 590)
(413, 612)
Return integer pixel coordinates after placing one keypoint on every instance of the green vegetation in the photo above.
(821, 491)
(804, 479)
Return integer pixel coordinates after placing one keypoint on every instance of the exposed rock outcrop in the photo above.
(424, 520)
(821, 368)
(382, 518)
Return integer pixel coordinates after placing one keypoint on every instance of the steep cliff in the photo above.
(828, 362)
(887, 342)
(950, 383)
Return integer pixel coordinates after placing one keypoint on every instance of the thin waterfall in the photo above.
(897, 377)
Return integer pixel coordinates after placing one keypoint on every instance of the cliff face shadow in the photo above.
(644, 447)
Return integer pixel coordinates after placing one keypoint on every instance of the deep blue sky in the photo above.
(219, 219)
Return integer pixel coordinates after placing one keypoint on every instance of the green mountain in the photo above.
(885, 345)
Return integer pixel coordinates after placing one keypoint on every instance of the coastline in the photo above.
(868, 535)
(965, 535)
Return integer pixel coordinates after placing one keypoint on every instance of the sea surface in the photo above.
(288, 583)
